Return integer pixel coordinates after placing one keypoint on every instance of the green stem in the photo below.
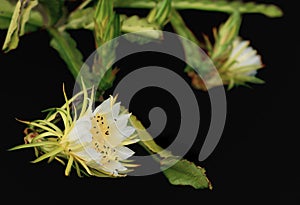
(181, 28)
(147, 142)
(207, 5)
(153, 154)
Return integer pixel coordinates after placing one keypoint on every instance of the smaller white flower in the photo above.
(241, 65)
(244, 57)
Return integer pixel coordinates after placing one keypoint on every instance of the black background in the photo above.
(254, 162)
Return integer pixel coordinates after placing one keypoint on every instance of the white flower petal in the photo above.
(246, 55)
(104, 107)
(81, 131)
(89, 154)
(243, 56)
(124, 152)
(127, 131)
(113, 167)
(256, 60)
(122, 121)
(251, 73)
(238, 46)
(116, 109)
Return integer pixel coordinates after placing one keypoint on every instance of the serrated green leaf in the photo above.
(135, 23)
(84, 19)
(269, 10)
(79, 19)
(141, 26)
(187, 173)
(16, 27)
(65, 45)
(53, 9)
(227, 6)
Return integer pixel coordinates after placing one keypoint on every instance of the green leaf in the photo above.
(187, 173)
(269, 10)
(146, 139)
(84, 19)
(135, 23)
(53, 10)
(6, 11)
(66, 47)
(16, 28)
(227, 6)
(181, 28)
(140, 25)
(26, 9)
(80, 19)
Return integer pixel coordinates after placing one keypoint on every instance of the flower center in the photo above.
(100, 132)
